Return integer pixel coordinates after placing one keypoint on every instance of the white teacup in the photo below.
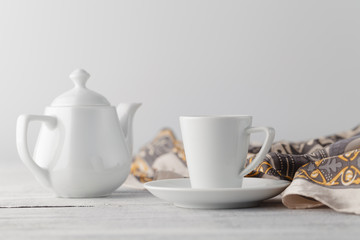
(216, 148)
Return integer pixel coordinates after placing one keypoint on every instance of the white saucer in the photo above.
(180, 193)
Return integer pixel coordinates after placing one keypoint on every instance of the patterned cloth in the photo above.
(323, 171)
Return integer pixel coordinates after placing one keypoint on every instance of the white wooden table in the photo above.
(30, 212)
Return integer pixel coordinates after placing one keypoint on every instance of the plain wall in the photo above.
(293, 65)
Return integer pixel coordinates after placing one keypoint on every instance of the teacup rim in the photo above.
(215, 116)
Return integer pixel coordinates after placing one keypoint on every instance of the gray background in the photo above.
(294, 65)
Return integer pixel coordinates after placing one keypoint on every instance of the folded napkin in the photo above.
(323, 171)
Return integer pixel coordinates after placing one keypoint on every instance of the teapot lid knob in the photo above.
(80, 77)
(80, 95)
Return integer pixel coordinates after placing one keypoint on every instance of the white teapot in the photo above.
(83, 149)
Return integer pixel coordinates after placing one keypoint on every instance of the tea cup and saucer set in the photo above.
(84, 150)
(216, 149)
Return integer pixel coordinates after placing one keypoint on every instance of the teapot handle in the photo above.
(22, 144)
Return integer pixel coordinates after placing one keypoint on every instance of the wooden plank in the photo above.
(136, 214)
(162, 221)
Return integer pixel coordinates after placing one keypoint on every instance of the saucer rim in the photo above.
(279, 183)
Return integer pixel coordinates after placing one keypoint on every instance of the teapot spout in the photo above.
(126, 112)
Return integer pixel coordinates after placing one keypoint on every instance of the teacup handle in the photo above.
(269, 138)
(22, 144)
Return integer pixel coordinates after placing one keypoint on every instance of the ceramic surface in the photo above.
(216, 148)
(83, 149)
(180, 193)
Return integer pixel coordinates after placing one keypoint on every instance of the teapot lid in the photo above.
(80, 95)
